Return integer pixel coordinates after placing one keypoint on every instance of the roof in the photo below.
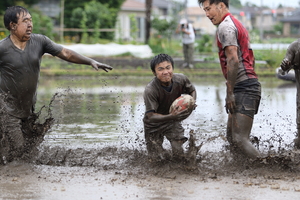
(195, 11)
(294, 17)
(133, 5)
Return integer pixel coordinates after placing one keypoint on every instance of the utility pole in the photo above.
(261, 31)
(185, 9)
(62, 9)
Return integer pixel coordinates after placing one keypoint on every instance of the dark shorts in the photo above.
(247, 97)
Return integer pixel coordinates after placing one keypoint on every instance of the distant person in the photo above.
(292, 60)
(20, 58)
(188, 39)
(159, 94)
(243, 90)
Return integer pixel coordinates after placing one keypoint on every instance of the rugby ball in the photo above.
(182, 102)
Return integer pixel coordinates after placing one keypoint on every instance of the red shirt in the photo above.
(231, 32)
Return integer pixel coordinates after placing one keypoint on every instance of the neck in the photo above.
(19, 44)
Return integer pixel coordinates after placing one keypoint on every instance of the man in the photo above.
(188, 39)
(237, 63)
(20, 58)
(159, 94)
(292, 60)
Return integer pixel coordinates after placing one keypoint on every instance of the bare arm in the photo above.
(286, 63)
(153, 117)
(74, 57)
(232, 70)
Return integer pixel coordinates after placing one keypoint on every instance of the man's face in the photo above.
(164, 72)
(213, 12)
(23, 28)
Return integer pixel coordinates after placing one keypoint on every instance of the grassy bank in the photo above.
(134, 67)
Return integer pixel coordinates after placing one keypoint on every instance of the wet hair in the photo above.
(226, 2)
(12, 14)
(159, 59)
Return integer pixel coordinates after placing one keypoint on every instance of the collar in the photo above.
(227, 14)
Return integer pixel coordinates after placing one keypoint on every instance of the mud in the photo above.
(121, 169)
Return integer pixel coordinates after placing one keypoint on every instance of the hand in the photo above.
(230, 104)
(285, 65)
(181, 115)
(96, 65)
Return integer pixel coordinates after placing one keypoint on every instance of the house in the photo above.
(137, 10)
(264, 19)
(203, 25)
(197, 17)
(291, 24)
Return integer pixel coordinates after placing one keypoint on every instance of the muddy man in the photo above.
(20, 58)
(292, 60)
(237, 62)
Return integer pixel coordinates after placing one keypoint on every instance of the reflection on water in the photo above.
(101, 110)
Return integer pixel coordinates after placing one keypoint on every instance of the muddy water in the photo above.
(100, 111)
(95, 150)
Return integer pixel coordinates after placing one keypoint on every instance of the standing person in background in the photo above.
(292, 60)
(237, 62)
(188, 39)
(20, 58)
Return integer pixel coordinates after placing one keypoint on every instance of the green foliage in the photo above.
(133, 27)
(164, 31)
(42, 24)
(164, 27)
(102, 10)
(158, 45)
(205, 44)
(97, 15)
(7, 3)
(273, 57)
(236, 3)
(278, 28)
(83, 22)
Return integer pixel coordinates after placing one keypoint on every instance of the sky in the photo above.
(270, 3)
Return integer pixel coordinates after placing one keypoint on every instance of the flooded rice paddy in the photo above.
(96, 150)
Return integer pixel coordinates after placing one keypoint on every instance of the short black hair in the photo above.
(12, 14)
(159, 59)
(226, 2)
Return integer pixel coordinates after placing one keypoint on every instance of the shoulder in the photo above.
(179, 77)
(39, 37)
(5, 43)
(227, 25)
(151, 84)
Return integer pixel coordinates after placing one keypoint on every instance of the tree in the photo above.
(100, 13)
(148, 20)
(236, 3)
(94, 14)
(7, 3)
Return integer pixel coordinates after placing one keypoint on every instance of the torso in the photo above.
(232, 32)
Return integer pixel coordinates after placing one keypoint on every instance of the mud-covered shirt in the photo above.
(158, 100)
(231, 32)
(293, 54)
(19, 72)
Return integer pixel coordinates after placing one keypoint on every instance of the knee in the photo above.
(238, 140)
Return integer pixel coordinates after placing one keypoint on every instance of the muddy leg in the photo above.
(154, 143)
(14, 135)
(177, 148)
(297, 140)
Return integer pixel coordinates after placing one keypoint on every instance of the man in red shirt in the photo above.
(237, 63)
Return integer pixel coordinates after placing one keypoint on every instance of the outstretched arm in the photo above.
(74, 57)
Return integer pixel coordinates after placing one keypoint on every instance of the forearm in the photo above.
(156, 117)
(74, 57)
(232, 70)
